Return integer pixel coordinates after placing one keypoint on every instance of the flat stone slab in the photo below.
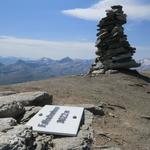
(38, 98)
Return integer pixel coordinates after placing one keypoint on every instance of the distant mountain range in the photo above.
(17, 70)
(145, 65)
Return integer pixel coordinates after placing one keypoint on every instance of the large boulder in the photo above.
(28, 98)
(12, 109)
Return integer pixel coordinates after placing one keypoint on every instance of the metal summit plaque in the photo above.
(58, 120)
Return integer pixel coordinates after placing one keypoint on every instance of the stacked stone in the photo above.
(113, 50)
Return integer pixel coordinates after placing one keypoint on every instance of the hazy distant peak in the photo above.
(65, 60)
(145, 61)
(45, 59)
(20, 62)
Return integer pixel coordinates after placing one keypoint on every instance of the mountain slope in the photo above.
(125, 98)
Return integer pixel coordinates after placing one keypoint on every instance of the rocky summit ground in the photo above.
(124, 98)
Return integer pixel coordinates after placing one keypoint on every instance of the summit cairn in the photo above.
(113, 50)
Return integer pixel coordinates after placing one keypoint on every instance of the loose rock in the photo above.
(13, 109)
(43, 142)
(96, 110)
(6, 124)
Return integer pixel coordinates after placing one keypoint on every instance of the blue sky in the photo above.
(59, 28)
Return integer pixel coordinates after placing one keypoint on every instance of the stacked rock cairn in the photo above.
(113, 50)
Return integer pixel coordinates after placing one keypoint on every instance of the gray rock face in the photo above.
(43, 142)
(28, 99)
(22, 138)
(7, 123)
(19, 138)
(13, 109)
(113, 49)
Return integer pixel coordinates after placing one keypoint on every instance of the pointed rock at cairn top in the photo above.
(113, 49)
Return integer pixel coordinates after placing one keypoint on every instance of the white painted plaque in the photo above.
(59, 120)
